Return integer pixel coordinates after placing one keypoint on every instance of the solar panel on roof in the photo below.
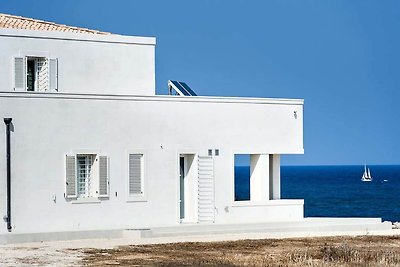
(190, 91)
(180, 88)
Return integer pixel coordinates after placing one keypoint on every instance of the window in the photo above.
(136, 175)
(242, 177)
(252, 174)
(31, 75)
(35, 74)
(86, 176)
(84, 166)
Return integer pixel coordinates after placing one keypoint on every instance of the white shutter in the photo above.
(19, 74)
(42, 74)
(70, 175)
(53, 74)
(205, 189)
(103, 176)
(135, 174)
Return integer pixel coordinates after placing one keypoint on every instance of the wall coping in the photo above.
(162, 98)
(275, 202)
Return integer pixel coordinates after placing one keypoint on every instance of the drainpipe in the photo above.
(7, 121)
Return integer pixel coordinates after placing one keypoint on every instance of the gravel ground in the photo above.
(39, 256)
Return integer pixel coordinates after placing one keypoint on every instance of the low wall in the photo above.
(265, 211)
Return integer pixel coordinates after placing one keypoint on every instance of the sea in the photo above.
(336, 191)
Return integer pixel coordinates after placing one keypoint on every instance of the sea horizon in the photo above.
(329, 165)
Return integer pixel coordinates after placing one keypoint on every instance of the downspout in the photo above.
(7, 121)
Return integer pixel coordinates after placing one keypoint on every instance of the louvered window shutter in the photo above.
(103, 176)
(135, 174)
(42, 75)
(53, 74)
(19, 74)
(70, 181)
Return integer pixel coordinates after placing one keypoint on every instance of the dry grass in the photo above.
(332, 251)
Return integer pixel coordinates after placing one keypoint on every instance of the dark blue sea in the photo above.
(336, 191)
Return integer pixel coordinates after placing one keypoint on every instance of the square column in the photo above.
(275, 176)
(259, 177)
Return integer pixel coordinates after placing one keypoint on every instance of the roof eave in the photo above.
(108, 38)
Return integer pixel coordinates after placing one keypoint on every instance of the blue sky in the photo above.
(342, 57)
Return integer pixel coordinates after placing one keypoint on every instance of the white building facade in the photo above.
(93, 147)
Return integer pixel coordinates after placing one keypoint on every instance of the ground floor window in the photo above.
(84, 166)
(87, 176)
(242, 177)
(256, 177)
(136, 174)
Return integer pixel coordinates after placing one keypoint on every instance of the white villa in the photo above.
(92, 147)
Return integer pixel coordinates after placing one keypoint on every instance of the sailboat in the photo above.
(366, 177)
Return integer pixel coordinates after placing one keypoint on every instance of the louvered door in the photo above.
(206, 189)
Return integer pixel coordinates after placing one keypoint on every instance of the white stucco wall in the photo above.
(48, 126)
(87, 63)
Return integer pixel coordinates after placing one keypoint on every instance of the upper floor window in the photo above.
(35, 74)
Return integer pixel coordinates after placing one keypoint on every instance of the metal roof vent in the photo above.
(179, 88)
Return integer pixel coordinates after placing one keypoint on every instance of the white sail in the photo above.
(366, 177)
(365, 172)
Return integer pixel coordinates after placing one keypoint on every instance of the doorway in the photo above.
(187, 188)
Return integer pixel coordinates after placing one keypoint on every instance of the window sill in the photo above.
(137, 198)
(275, 202)
(86, 200)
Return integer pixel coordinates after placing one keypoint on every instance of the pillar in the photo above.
(259, 177)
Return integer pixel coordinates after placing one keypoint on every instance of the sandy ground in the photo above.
(228, 250)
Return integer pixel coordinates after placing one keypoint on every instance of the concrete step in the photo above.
(307, 225)
(12, 238)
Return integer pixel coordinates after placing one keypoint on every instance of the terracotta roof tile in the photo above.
(17, 22)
